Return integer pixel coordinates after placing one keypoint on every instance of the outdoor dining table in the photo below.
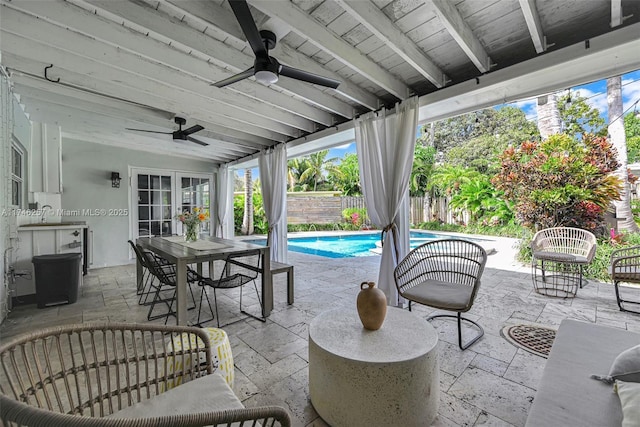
(207, 249)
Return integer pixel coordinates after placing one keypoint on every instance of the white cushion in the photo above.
(629, 394)
(206, 394)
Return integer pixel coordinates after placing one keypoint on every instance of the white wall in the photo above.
(13, 124)
(86, 171)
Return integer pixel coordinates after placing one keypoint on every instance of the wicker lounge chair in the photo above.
(625, 267)
(558, 257)
(443, 274)
(118, 374)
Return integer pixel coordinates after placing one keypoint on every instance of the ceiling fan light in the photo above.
(265, 76)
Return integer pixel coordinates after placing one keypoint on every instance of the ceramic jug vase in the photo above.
(372, 306)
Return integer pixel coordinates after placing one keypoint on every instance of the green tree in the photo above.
(296, 168)
(447, 179)
(345, 176)
(317, 166)
(508, 123)
(424, 159)
(483, 202)
(578, 117)
(561, 181)
(632, 132)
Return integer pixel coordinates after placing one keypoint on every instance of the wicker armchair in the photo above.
(625, 267)
(558, 257)
(118, 374)
(443, 274)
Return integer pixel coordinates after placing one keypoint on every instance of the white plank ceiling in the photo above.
(117, 64)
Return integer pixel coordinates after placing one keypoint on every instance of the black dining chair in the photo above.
(238, 270)
(165, 273)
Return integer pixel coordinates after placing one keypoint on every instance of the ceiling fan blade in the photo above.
(306, 76)
(245, 19)
(192, 129)
(150, 131)
(233, 79)
(197, 141)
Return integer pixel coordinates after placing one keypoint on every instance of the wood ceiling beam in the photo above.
(221, 20)
(30, 85)
(121, 116)
(368, 14)
(532, 18)
(114, 65)
(327, 40)
(462, 34)
(32, 67)
(616, 13)
(76, 122)
(177, 33)
(69, 16)
(114, 139)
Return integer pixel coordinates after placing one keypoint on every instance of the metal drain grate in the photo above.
(534, 339)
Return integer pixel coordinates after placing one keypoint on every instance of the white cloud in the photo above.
(528, 106)
(630, 93)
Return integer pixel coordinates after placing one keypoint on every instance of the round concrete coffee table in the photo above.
(386, 377)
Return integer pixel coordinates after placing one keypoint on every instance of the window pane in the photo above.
(17, 162)
(166, 197)
(143, 181)
(156, 212)
(166, 214)
(155, 182)
(166, 183)
(143, 228)
(166, 228)
(143, 197)
(186, 183)
(15, 193)
(143, 213)
(155, 228)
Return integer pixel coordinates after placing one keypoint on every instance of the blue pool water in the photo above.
(348, 245)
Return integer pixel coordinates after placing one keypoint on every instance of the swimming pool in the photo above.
(349, 245)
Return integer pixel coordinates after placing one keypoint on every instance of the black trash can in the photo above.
(57, 278)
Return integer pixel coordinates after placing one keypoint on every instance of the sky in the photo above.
(596, 93)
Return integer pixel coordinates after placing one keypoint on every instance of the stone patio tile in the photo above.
(242, 386)
(495, 347)
(274, 342)
(290, 316)
(267, 376)
(442, 421)
(489, 364)
(488, 420)
(318, 422)
(446, 380)
(525, 369)
(451, 407)
(580, 313)
(497, 396)
(452, 360)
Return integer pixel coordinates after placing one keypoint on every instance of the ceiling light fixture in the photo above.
(266, 77)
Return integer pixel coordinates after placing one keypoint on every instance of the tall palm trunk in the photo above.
(618, 139)
(247, 219)
(549, 122)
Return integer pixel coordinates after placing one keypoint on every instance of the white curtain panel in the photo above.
(385, 144)
(273, 181)
(224, 202)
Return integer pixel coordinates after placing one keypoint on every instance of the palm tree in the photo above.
(318, 164)
(247, 219)
(618, 139)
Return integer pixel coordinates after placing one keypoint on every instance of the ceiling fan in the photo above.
(266, 69)
(184, 135)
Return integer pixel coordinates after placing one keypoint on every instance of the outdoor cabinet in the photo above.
(43, 239)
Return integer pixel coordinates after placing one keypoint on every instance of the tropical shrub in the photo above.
(560, 182)
(355, 216)
(484, 203)
(260, 224)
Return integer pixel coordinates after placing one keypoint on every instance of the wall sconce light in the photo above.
(115, 179)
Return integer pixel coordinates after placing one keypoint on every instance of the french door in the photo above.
(157, 196)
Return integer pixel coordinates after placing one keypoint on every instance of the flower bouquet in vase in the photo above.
(191, 222)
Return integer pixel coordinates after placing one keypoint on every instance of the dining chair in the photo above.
(238, 270)
(165, 273)
(444, 274)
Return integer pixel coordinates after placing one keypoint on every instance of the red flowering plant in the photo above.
(560, 181)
